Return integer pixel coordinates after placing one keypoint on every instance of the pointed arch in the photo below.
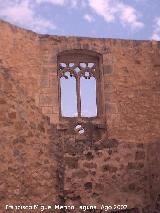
(81, 69)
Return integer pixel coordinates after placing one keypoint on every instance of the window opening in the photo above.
(88, 96)
(78, 85)
(68, 96)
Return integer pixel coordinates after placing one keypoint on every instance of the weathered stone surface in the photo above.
(116, 161)
(140, 155)
(28, 171)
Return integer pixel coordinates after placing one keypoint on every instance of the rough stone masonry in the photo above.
(44, 161)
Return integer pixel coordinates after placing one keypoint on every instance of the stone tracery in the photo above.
(86, 70)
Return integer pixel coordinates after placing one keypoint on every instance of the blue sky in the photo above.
(128, 19)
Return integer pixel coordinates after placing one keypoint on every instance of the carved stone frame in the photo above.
(83, 56)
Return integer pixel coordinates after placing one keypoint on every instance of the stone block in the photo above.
(44, 80)
(111, 108)
(46, 100)
(108, 59)
(71, 162)
(47, 110)
(54, 118)
(108, 69)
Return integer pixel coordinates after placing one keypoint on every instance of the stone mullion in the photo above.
(78, 95)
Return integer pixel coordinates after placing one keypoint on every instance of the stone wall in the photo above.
(116, 160)
(108, 173)
(154, 173)
(20, 52)
(129, 82)
(28, 169)
(130, 77)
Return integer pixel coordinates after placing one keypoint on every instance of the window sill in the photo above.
(67, 124)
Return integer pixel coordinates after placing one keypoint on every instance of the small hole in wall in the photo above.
(79, 129)
(90, 65)
(63, 65)
(67, 74)
(87, 74)
(71, 64)
(83, 65)
(77, 69)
